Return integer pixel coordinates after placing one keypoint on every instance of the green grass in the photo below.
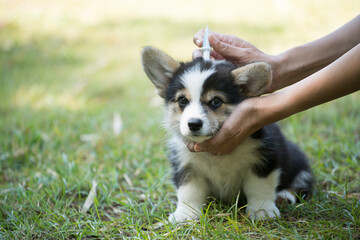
(67, 67)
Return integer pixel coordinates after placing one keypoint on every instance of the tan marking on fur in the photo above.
(211, 94)
(217, 117)
(184, 93)
(220, 114)
(256, 78)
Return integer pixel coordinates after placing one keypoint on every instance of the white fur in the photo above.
(260, 195)
(301, 180)
(284, 194)
(193, 81)
(190, 200)
(194, 110)
(224, 176)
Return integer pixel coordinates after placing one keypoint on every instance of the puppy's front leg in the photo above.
(260, 195)
(191, 196)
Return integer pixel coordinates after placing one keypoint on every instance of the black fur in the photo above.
(175, 83)
(278, 152)
(221, 80)
(179, 175)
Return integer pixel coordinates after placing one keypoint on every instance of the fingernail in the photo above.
(198, 42)
(190, 146)
(198, 148)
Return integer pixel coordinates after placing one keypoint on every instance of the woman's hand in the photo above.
(244, 120)
(338, 79)
(237, 51)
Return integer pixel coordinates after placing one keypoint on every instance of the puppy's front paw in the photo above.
(182, 216)
(262, 211)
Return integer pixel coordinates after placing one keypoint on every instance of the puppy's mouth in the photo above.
(198, 139)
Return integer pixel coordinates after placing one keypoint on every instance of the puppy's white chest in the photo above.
(225, 174)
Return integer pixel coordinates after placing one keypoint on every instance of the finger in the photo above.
(221, 143)
(198, 38)
(190, 146)
(203, 147)
(209, 146)
(223, 48)
(199, 147)
(222, 136)
(230, 39)
(216, 56)
(197, 53)
(219, 150)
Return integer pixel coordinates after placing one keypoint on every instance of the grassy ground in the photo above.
(68, 67)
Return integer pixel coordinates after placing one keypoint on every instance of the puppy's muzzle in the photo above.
(195, 124)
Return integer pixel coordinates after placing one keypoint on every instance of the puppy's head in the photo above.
(200, 95)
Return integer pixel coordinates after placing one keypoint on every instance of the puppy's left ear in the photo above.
(255, 78)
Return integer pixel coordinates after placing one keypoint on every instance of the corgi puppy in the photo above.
(199, 96)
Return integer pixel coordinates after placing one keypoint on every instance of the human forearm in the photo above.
(302, 61)
(336, 80)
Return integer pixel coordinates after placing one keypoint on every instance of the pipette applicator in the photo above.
(206, 48)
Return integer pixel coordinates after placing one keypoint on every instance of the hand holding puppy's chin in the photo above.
(190, 145)
(195, 145)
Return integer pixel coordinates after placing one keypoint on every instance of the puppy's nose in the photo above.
(195, 124)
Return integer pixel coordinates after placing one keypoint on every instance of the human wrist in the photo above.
(260, 111)
(277, 67)
(272, 108)
(291, 66)
(298, 63)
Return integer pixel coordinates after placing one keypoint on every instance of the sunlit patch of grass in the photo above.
(66, 68)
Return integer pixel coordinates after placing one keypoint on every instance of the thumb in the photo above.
(199, 147)
(212, 144)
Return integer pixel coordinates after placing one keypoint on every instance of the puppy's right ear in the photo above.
(159, 67)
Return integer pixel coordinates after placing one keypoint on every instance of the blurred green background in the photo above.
(68, 54)
(68, 67)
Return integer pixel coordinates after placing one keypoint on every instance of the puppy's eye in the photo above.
(182, 101)
(216, 102)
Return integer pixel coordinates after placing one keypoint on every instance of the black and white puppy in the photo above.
(199, 96)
